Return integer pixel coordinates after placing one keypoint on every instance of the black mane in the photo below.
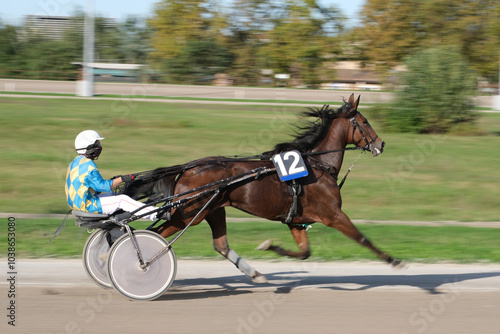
(311, 133)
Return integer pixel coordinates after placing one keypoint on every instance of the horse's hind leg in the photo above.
(342, 223)
(217, 221)
(299, 233)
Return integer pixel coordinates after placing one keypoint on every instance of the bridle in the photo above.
(363, 132)
(369, 145)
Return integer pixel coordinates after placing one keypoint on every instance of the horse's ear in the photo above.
(351, 99)
(355, 106)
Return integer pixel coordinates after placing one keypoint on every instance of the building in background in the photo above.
(111, 72)
(54, 27)
(350, 75)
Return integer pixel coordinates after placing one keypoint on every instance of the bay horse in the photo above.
(322, 143)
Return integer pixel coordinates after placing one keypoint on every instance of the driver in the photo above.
(85, 188)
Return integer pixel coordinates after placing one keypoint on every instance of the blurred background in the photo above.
(360, 44)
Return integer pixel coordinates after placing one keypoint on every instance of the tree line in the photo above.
(26, 53)
(195, 39)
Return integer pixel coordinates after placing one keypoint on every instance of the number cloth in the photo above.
(289, 165)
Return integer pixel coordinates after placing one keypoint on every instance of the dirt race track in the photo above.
(211, 92)
(55, 296)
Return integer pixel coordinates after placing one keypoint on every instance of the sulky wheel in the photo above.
(94, 258)
(125, 273)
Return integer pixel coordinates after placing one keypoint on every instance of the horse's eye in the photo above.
(365, 121)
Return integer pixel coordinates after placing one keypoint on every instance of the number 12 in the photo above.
(293, 167)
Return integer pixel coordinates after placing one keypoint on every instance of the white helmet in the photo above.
(84, 139)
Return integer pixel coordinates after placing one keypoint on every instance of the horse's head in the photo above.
(362, 134)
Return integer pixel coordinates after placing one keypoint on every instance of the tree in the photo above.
(10, 45)
(394, 29)
(177, 22)
(473, 25)
(481, 37)
(247, 23)
(438, 86)
(391, 29)
(107, 42)
(30, 55)
(290, 36)
(135, 37)
(199, 61)
(300, 39)
(27, 53)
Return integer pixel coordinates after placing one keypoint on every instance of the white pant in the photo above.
(111, 203)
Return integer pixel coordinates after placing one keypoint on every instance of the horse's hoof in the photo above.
(265, 245)
(399, 264)
(259, 278)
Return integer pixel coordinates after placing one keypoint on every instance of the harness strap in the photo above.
(167, 213)
(295, 190)
(59, 229)
(216, 186)
(332, 151)
(348, 171)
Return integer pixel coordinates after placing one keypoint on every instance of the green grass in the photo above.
(418, 177)
(249, 101)
(412, 243)
(37, 93)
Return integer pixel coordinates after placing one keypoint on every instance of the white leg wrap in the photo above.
(241, 264)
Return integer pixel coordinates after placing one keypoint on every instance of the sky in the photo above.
(13, 12)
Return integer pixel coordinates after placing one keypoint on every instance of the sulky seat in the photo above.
(92, 220)
(89, 216)
(99, 220)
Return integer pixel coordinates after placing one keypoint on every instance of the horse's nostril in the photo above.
(383, 144)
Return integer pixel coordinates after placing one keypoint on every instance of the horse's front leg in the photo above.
(341, 222)
(217, 221)
(299, 233)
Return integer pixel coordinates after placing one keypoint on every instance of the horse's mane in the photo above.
(308, 135)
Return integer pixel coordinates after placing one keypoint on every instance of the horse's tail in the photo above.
(153, 184)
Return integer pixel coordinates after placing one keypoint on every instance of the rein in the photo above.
(329, 168)
(338, 150)
(349, 170)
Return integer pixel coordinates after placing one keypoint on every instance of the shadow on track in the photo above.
(286, 282)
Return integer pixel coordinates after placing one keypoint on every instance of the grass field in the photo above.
(418, 177)
(412, 243)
